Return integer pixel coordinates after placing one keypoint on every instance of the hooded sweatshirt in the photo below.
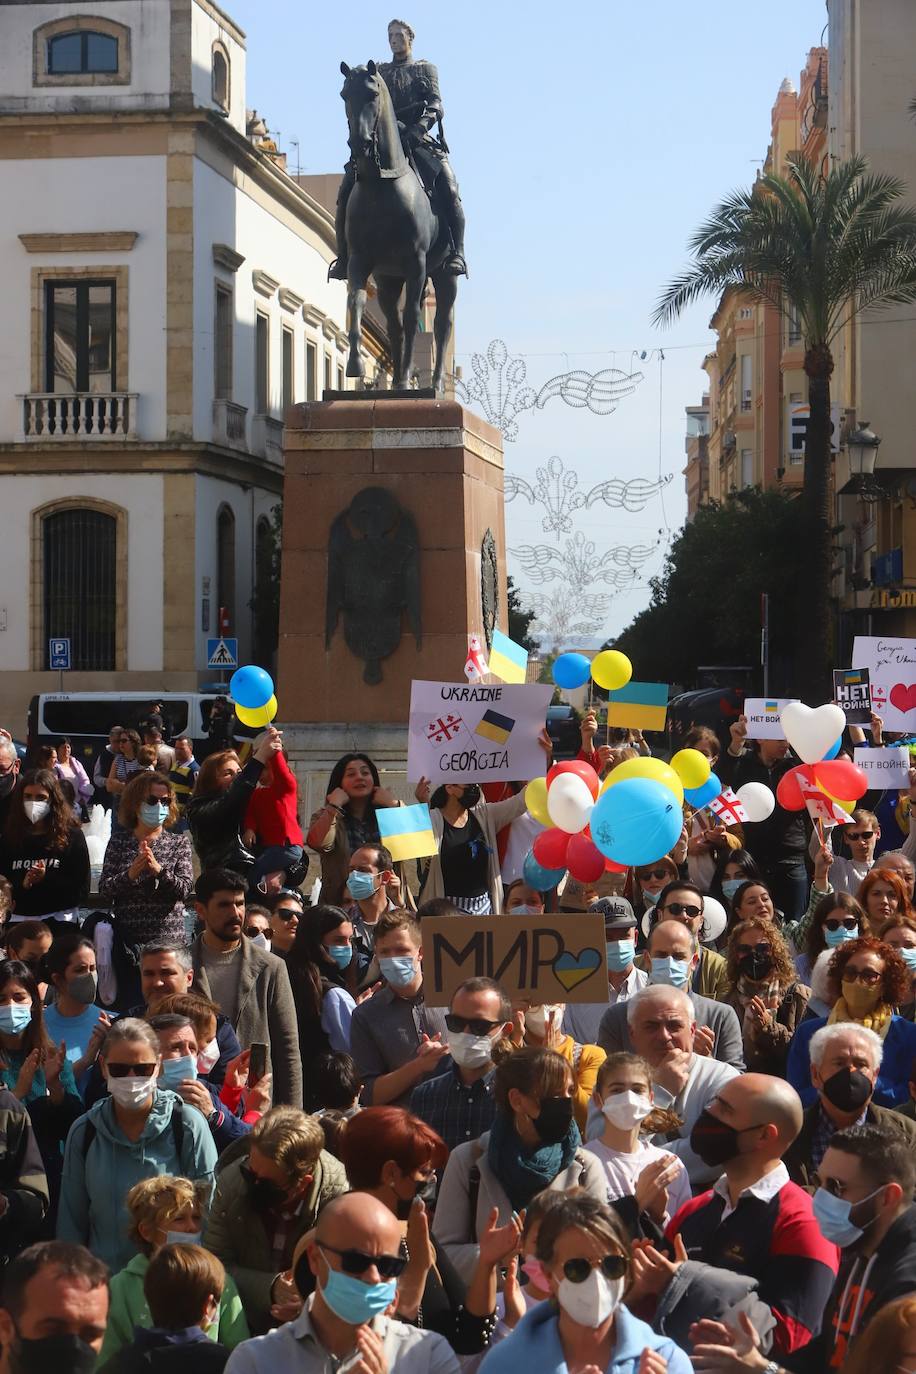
(866, 1283)
(96, 1180)
(160, 1351)
(129, 1310)
(535, 1346)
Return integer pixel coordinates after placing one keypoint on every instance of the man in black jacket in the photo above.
(23, 1184)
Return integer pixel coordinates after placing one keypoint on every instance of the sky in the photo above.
(589, 141)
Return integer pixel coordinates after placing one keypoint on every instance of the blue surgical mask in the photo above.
(183, 1237)
(341, 954)
(909, 958)
(526, 911)
(353, 1301)
(153, 813)
(833, 938)
(673, 972)
(361, 886)
(832, 1216)
(620, 954)
(15, 1017)
(175, 1071)
(730, 886)
(399, 971)
(650, 898)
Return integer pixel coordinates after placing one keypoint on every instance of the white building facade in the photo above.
(166, 298)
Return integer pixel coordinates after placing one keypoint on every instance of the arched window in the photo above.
(220, 76)
(225, 564)
(82, 52)
(80, 592)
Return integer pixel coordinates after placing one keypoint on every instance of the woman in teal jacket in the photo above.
(137, 1132)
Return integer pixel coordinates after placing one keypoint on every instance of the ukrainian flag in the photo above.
(495, 727)
(406, 831)
(508, 660)
(639, 705)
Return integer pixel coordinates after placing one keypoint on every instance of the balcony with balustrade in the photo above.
(49, 417)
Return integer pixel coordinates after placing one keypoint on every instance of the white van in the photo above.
(86, 718)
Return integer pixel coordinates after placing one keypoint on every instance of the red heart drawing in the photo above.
(903, 697)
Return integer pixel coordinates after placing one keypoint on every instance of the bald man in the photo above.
(353, 1259)
(755, 1220)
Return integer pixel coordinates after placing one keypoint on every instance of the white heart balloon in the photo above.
(812, 732)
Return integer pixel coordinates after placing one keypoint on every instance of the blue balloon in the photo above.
(250, 687)
(571, 670)
(833, 750)
(636, 821)
(540, 878)
(702, 796)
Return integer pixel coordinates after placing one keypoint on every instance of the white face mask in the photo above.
(592, 1302)
(536, 1017)
(132, 1092)
(36, 810)
(469, 1051)
(626, 1110)
(207, 1057)
(260, 940)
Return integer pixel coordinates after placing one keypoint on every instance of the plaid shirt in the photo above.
(457, 1111)
(284, 1231)
(823, 1130)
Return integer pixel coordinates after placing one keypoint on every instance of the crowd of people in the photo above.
(235, 1133)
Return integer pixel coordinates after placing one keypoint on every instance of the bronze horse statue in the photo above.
(393, 232)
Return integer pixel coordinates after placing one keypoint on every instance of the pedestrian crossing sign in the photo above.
(222, 653)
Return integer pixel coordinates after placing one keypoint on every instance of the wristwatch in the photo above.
(771, 1368)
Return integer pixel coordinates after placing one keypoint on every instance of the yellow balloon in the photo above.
(656, 769)
(692, 767)
(257, 715)
(611, 670)
(536, 800)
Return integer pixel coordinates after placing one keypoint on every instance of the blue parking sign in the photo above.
(59, 653)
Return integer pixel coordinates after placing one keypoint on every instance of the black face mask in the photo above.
(555, 1119)
(52, 1355)
(848, 1090)
(265, 1195)
(425, 1190)
(755, 966)
(714, 1141)
(470, 796)
(7, 783)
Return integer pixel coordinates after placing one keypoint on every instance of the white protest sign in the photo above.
(763, 716)
(884, 767)
(891, 664)
(461, 732)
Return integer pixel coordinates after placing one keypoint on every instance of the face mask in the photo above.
(714, 1141)
(260, 940)
(533, 1269)
(207, 1057)
(834, 938)
(341, 954)
(131, 1092)
(673, 972)
(620, 955)
(398, 971)
(755, 966)
(183, 1237)
(554, 1120)
(425, 1190)
(469, 1051)
(361, 886)
(730, 886)
(909, 958)
(265, 1194)
(52, 1355)
(175, 1071)
(592, 1302)
(650, 898)
(353, 1301)
(83, 987)
(525, 911)
(470, 796)
(153, 813)
(15, 1018)
(536, 1017)
(859, 999)
(832, 1215)
(36, 810)
(847, 1089)
(7, 783)
(626, 1110)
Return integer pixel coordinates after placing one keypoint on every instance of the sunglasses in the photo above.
(158, 801)
(355, 1262)
(649, 873)
(860, 834)
(251, 931)
(475, 1024)
(612, 1267)
(681, 909)
(131, 1070)
(286, 915)
(868, 976)
(764, 947)
(846, 923)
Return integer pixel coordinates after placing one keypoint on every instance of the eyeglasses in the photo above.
(831, 1185)
(764, 947)
(131, 1070)
(868, 976)
(355, 1262)
(647, 873)
(612, 1267)
(860, 834)
(682, 909)
(475, 1024)
(846, 923)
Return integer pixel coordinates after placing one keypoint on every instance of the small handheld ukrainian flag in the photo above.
(639, 705)
(508, 660)
(406, 831)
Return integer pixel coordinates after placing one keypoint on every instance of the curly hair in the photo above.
(60, 820)
(897, 980)
(783, 967)
(157, 1201)
(134, 795)
(815, 943)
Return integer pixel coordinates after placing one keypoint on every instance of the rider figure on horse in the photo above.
(414, 90)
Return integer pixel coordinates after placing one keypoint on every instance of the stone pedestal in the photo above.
(444, 467)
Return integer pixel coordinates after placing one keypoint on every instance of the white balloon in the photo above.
(812, 732)
(715, 917)
(757, 799)
(569, 803)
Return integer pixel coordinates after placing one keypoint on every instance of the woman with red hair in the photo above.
(869, 980)
(883, 894)
(393, 1155)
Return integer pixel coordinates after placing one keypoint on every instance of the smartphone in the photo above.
(257, 1064)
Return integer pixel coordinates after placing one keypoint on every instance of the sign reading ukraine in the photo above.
(475, 732)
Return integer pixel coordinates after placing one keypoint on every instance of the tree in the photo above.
(826, 248)
(519, 618)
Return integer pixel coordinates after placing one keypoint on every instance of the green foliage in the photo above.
(519, 619)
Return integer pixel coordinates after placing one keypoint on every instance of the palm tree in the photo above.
(823, 248)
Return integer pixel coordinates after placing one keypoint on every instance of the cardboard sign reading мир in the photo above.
(536, 959)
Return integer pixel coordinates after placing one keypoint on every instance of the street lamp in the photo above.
(862, 447)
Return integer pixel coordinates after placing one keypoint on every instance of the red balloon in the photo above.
(549, 848)
(788, 792)
(612, 866)
(583, 860)
(581, 769)
(840, 778)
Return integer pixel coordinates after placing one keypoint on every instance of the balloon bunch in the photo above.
(816, 735)
(610, 669)
(252, 690)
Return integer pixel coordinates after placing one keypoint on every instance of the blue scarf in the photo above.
(523, 1172)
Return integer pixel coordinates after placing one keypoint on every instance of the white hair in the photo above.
(655, 992)
(822, 1039)
(820, 984)
(8, 747)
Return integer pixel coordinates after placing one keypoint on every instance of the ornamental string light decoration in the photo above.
(557, 490)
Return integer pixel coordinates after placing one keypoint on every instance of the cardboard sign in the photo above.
(466, 732)
(558, 958)
(884, 767)
(891, 664)
(763, 716)
(852, 691)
